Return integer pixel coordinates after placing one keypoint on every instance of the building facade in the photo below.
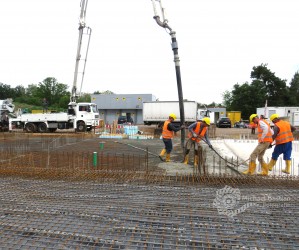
(113, 106)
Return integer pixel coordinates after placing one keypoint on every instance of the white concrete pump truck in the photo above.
(80, 116)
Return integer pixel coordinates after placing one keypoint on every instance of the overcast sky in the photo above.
(219, 43)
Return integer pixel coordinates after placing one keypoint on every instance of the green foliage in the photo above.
(52, 90)
(103, 92)
(294, 90)
(5, 91)
(276, 89)
(63, 102)
(84, 98)
(264, 86)
(30, 98)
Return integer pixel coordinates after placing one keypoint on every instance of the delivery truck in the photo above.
(158, 111)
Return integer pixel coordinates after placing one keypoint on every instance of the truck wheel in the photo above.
(42, 127)
(52, 130)
(81, 126)
(30, 127)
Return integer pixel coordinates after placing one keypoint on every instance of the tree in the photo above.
(294, 90)
(106, 92)
(244, 99)
(19, 91)
(227, 98)
(52, 90)
(85, 97)
(5, 91)
(277, 92)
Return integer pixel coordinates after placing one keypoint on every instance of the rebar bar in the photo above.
(129, 202)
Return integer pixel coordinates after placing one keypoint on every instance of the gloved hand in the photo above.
(194, 134)
(210, 146)
(183, 126)
(270, 146)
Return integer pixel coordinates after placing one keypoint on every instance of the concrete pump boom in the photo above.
(82, 27)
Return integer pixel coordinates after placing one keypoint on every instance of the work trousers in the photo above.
(190, 143)
(285, 149)
(259, 152)
(168, 145)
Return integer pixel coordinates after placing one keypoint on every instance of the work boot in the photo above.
(186, 159)
(287, 170)
(162, 154)
(271, 164)
(167, 157)
(251, 168)
(264, 169)
(195, 160)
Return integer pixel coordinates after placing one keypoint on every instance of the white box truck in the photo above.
(289, 113)
(157, 112)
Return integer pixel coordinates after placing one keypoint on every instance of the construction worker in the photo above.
(197, 132)
(264, 140)
(283, 137)
(168, 130)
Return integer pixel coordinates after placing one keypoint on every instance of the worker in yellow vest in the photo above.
(168, 130)
(283, 136)
(197, 132)
(264, 141)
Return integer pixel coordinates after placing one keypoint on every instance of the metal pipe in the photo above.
(174, 46)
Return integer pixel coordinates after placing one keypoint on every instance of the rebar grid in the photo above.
(57, 214)
(127, 202)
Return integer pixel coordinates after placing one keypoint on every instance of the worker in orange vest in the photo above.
(283, 136)
(168, 130)
(197, 132)
(264, 141)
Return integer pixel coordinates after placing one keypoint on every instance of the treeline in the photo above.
(56, 94)
(246, 97)
(264, 86)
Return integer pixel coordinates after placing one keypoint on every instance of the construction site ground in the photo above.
(79, 191)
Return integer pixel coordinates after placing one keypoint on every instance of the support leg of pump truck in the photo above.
(287, 170)
(251, 168)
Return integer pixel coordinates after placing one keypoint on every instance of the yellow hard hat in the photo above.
(274, 116)
(172, 115)
(207, 120)
(252, 116)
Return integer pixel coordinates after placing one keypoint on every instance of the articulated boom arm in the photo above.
(82, 27)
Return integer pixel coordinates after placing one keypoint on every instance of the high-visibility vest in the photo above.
(268, 137)
(285, 134)
(167, 134)
(196, 130)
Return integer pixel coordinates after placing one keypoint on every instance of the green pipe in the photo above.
(95, 159)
